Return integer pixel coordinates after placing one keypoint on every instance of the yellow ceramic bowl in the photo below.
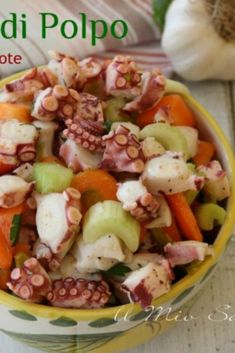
(116, 329)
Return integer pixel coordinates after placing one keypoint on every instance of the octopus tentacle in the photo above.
(152, 90)
(31, 282)
(74, 73)
(79, 293)
(66, 69)
(123, 77)
(77, 157)
(89, 107)
(46, 257)
(17, 143)
(122, 152)
(13, 190)
(90, 68)
(86, 128)
(187, 251)
(92, 76)
(93, 72)
(56, 102)
(10, 161)
(25, 88)
(27, 152)
(46, 139)
(147, 283)
(86, 133)
(64, 223)
(138, 201)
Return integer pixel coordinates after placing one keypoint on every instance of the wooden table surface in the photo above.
(207, 334)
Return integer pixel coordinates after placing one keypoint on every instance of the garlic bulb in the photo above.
(199, 38)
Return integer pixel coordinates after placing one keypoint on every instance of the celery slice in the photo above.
(51, 177)
(190, 196)
(108, 217)
(113, 110)
(209, 214)
(191, 136)
(168, 136)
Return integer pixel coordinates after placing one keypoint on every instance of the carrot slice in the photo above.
(177, 110)
(147, 117)
(184, 217)
(6, 218)
(205, 153)
(174, 107)
(173, 231)
(6, 256)
(95, 185)
(20, 112)
(4, 278)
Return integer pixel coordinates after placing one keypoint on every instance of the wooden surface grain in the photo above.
(212, 332)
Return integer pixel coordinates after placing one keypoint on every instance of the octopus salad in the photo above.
(108, 192)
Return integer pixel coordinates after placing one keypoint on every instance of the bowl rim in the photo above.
(179, 287)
